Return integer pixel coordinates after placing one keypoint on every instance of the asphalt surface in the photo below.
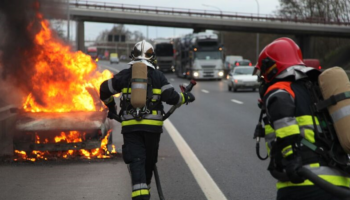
(218, 127)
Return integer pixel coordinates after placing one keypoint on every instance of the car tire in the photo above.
(229, 88)
(234, 89)
(253, 89)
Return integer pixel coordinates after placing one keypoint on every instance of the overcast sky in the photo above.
(240, 6)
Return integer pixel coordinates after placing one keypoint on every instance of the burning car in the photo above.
(61, 114)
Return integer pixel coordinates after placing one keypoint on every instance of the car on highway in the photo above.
(113, 58)
(315, 63)
(244, 62)
(242, 77)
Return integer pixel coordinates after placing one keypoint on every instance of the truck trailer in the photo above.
(199, 56)
(165, 54)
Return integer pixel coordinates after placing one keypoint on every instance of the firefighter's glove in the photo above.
(112, 109)
(188, 97)
(292, 166)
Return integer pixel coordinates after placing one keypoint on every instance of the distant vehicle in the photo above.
(243, 62)
(230, 61)
(165, 55)
(123, 57)
(92, 52)
(199, 56)
(241, 77)
(315, 63)
(113, 58)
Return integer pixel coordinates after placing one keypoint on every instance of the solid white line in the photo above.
(236, 101)
(203, 178)
(205, 91)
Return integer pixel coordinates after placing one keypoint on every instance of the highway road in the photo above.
(206, 151)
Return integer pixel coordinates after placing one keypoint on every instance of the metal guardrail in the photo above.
(199, 13)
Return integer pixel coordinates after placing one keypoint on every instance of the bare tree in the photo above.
(328, 10)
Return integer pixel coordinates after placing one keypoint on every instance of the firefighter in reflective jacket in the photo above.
(141, 137)
(284, 96)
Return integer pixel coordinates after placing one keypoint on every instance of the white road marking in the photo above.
(205, 91)
(172, 79)
(203, 178)
(236, 101)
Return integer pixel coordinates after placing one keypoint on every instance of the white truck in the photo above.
(199, 56)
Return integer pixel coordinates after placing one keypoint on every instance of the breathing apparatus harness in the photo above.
(139, 114)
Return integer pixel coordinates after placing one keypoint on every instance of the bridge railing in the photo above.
(199, 13)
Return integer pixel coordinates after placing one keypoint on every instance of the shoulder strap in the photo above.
(332, 100)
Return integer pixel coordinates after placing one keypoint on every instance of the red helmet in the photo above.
(277, 56)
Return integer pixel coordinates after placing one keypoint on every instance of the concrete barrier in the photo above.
(7, 128)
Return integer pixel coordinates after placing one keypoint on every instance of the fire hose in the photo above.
(188, 88)
(339, 192)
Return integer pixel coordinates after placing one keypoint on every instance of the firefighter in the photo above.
(285, 98)
(141, 136)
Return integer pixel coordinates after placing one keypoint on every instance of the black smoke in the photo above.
(18, 26)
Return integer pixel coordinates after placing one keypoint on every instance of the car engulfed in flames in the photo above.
(62, 116)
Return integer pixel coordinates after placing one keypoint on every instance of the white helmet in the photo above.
(143, 51)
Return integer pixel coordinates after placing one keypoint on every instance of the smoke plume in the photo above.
(19, 25)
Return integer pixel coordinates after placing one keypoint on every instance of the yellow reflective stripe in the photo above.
(315, 165)
(183, 98)
(126, 90)
(154, 112)
(287, 131)
(268, 148)
(268, 129)
(139, 193)
(154, 91)
(306, 120)
(335, 180)
(109, 100)
(157, 91)
(142, 122)
(309, 135)
(286, 151)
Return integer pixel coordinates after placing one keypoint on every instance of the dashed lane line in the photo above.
(172, 79)
(203, 178)
(205, 91)
(236, 101)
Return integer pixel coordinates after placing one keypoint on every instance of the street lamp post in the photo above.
(222, 39)
(213, 7)
(257, 36)
(68, 21)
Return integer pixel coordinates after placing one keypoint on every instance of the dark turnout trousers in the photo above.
(140, 151)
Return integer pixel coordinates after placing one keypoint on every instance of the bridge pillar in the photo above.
(80, 37)
(306, 45)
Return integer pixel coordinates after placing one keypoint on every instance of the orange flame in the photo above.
(71, 137)
(62, 76)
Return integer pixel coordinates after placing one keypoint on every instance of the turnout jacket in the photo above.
(289, 116)
(162, 91)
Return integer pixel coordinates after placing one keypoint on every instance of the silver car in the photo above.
(241, 77)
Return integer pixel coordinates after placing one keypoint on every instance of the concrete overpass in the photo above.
(199, 20)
